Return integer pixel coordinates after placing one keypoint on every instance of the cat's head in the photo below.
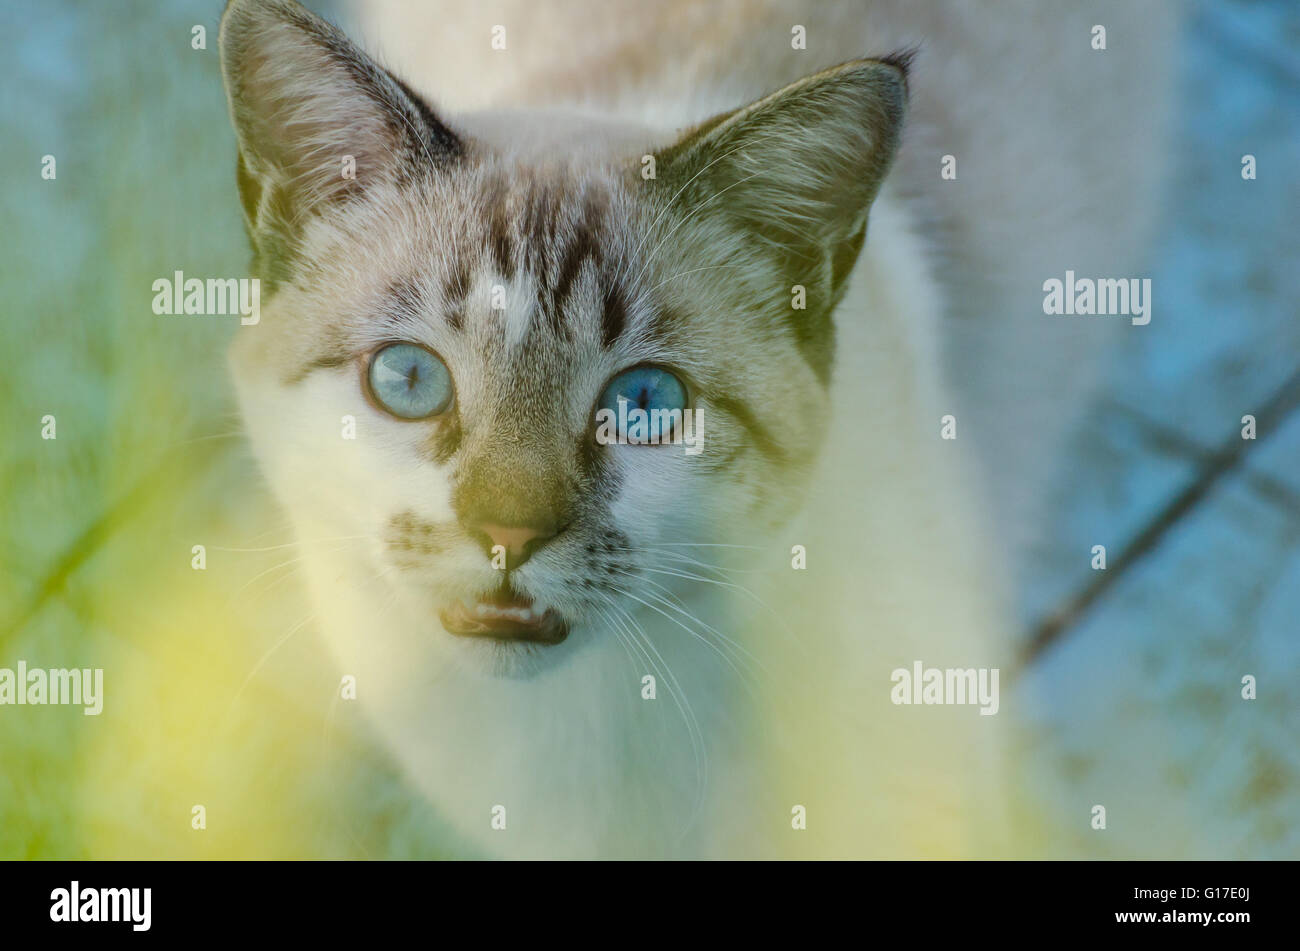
(449, 303)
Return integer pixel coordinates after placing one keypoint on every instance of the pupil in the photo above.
(412, 377)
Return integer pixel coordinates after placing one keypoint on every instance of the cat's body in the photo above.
(772, 682)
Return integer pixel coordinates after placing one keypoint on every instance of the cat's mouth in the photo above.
(505, 616)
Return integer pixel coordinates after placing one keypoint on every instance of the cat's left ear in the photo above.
(794, 174)
(318, 121)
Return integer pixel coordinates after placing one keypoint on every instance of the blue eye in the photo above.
(409, 381)
(648, 389)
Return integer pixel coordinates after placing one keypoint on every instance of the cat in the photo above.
(575, 649)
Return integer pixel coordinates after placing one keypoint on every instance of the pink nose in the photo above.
(514, 538)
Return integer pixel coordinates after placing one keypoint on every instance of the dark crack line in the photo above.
(1174, 443)
(1215, 466)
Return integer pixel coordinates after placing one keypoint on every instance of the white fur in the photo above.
(584, 765)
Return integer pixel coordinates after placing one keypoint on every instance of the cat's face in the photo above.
(445, 313)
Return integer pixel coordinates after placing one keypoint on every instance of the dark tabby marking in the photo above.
(455, 290)
(536, 229)
(582, 248)
(613, 316)
(403, 301)
(407, 533)
(405, 298)
(594, 464)
(329, 361)
(499, 240)
(445, 440)
(762, 439)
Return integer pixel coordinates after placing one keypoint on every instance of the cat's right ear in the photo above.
(785, 184)
(318, 121)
